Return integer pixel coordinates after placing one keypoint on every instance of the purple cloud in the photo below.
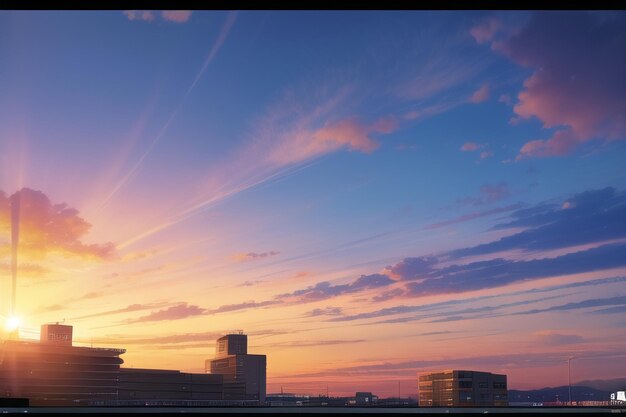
(389, 295)
(578, 86)
(411, 268)
(328, 311)
(599, 215)
(177, 312)
(489, 193)
(253, 256)
(324, 290)
(552, 338)
(472, 216)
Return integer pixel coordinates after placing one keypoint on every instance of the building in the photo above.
(365, 399)
(53, 372)
(244, 374)
(169, 386)
(459, 388)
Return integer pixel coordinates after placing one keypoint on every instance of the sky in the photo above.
(368, 195)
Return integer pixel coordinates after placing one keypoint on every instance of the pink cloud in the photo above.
(578, 83)
(145, 15)
(486, 31)
(252, 256)
(506, 99)
(480, 95)
(176, 312)
(49, 228)
(351, 134)
(561, 143)
(178, 16)
(486, 154)
(472, 146)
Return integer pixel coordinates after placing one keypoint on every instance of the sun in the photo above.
(12, 323)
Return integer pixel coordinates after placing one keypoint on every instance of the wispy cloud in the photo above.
(328, 311)
(597, 214)
(230, 19)
(491, 361)
(185, 310)
(592, 302)
(177, 312)
(480, 95)
(489, 193)
(325, 290)
(178, 16)
(553, 338)
(128, 309)
(472, 146)
(314, 343)
(145, 15)
(254, 256)
(445, 305)
(486, 30)
(475, 215)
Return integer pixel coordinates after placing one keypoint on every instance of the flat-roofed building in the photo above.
(462, 388)
(168, 385)
(244, 374)
(53, 372)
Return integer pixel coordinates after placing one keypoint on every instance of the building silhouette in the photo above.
(460, 388)
(53, 372)
(244, 374)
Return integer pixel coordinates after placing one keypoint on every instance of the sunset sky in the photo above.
(368, 195)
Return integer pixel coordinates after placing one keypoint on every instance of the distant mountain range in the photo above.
(596, 390)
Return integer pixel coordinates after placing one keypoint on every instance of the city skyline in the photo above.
(368, 195)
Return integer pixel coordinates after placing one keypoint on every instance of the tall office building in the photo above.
(244, 374)
(457, 388)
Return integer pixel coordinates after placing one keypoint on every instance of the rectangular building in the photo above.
(53, 372)
(244, 375)
(461, 388)
(168, 385)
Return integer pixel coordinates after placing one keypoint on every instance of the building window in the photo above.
(465, 384)
(499, 385)
(465, 396)
(465, 375)
(483, 385)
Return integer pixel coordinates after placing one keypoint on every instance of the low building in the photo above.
(53, 372)
(461, 388)
(365, 399)
(160, 384)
